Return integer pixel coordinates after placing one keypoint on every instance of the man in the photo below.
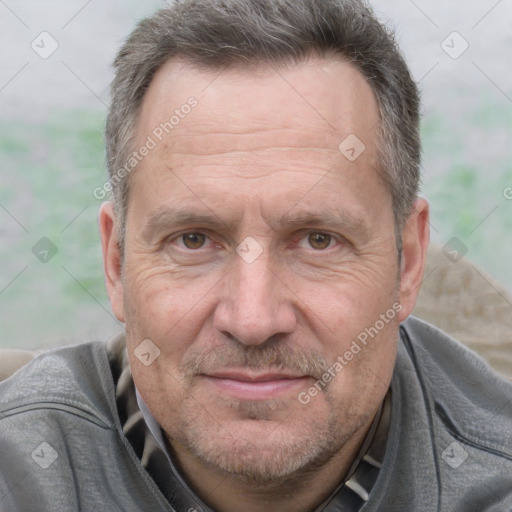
(264, 247)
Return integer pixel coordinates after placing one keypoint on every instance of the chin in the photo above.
(255, 447)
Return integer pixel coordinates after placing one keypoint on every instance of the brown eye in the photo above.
(194, 240)
(319, 241)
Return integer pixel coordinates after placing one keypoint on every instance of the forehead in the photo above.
(319, 97)
(275, 129)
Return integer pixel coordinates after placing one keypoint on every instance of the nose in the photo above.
(256, 304)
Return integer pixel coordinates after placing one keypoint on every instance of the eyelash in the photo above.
(333, 240)
(178, 239)
(182, 236)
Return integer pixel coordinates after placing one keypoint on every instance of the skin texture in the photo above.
(255, 166)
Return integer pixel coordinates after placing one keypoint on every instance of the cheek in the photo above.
(346, 309)
(357, 327)
(163, 307)
(364, 369)
(356, 279)
(164, 322)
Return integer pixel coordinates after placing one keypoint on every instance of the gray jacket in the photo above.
(62, 446)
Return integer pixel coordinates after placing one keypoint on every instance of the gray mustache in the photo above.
(265, 357)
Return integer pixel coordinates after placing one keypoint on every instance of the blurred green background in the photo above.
(51, 145)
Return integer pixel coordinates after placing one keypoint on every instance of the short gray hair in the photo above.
(221, 33)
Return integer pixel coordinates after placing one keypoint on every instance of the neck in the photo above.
(302, 491)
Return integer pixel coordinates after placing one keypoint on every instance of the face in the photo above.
(260, 262)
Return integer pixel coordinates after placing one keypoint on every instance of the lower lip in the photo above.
(260, 390)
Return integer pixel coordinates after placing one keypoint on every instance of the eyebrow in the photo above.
(330, 218)
(167, 218)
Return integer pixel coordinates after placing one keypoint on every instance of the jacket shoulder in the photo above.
(76, 378)
(466, 394)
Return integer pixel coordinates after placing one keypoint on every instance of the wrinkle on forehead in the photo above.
(317, 97)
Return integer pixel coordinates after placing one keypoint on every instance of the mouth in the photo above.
(246, 385)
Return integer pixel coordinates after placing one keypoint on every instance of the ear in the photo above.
(415, 240)
(111, 259)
